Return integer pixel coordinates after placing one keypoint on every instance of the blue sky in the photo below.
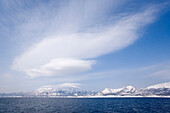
(88, 44)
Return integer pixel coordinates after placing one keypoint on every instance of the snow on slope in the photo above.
(128, 90)
(162, 85)
(107, 90)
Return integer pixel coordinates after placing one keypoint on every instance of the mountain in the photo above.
(62, 92)
(157, 86)
(128, 90)
(158, 89)
(49, 91)
(162, 89)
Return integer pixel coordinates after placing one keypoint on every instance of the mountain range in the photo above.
(162, 89)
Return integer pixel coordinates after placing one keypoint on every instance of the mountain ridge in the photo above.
(162, 89)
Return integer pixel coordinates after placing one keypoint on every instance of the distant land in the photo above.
(158, 90)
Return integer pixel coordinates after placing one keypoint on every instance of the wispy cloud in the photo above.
(72, 36)
(163, 73)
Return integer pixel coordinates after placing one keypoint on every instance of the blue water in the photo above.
(82, 105)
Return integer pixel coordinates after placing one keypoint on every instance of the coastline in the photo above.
(86, 96)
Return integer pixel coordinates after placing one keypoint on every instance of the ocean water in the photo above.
(84, 105)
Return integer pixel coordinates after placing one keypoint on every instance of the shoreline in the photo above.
(86, 97)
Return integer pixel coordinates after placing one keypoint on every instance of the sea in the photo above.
(84, 105)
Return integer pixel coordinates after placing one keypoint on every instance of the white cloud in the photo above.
(68, 53)
(59, 86)
(61, 66)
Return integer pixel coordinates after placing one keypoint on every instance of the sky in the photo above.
(91, 44)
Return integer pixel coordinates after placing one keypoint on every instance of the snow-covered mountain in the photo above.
(49, 91)
(157, 86)
(128, 90)
(67, 91)
(162, 89)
